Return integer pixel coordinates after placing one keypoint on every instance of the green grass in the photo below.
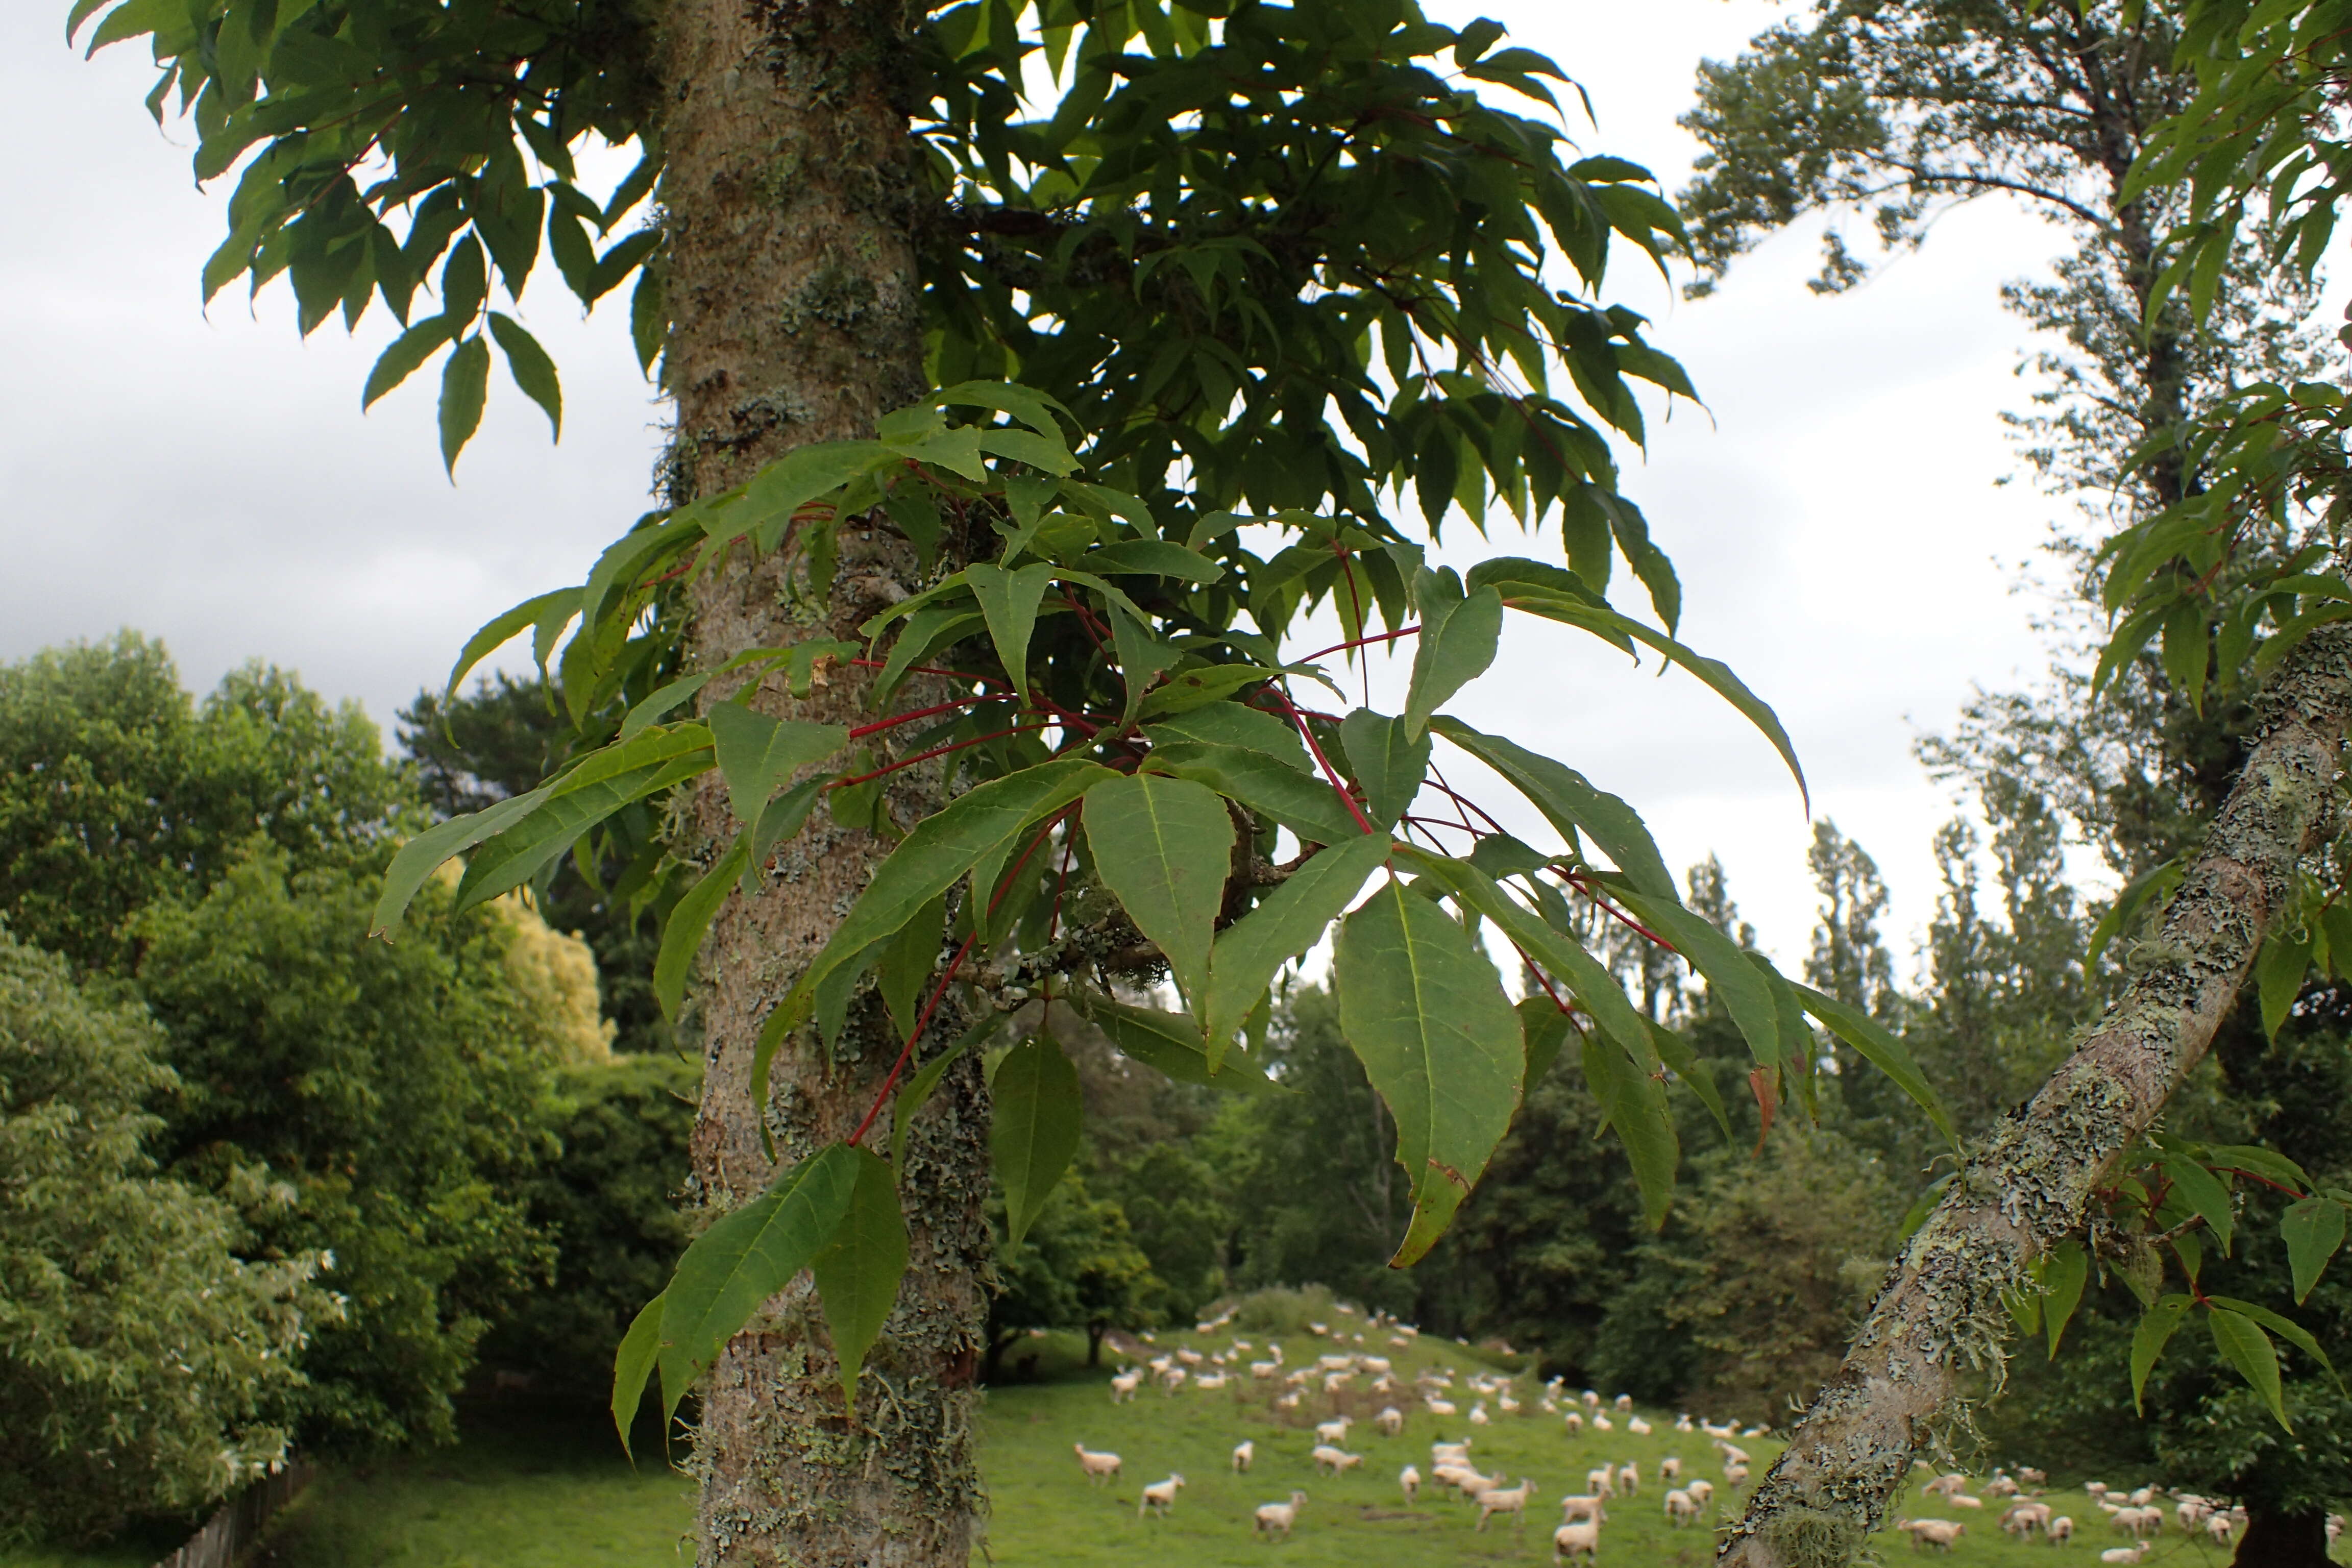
(546, 1488)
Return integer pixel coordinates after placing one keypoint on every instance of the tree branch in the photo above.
(2026, 1187)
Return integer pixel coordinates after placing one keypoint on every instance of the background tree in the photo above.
(1075, 1268)
(142, 1361)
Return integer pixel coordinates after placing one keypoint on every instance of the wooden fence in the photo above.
(228, 1533)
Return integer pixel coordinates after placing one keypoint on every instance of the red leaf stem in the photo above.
(906, 1051)
(1361, 642)
(890, 723)
(1330, 773)
(934, 751)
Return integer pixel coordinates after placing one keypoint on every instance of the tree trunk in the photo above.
(1094, 1332)
(790, 200)
(1940, 1316)
(2284, 1540)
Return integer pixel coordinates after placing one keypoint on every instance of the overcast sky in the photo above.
(1833, 512)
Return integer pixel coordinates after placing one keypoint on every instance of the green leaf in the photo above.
(942, 847)
(406, 354)
(2153, 886)
(1235, 724)
(1636, 1105)
(2062, 1277)
(579, 801)
(1570, 802)
(758, 753)
(1458, 638)
(1389, 767)
(2314, 1230)
(1168, 1042)
(2287, 1329)
(920, 1088)
(1035, 1128)
(1543, 1029)
(1009, 601)
(1730, 978)
(503, 628)
(632, 1365)
(424, 853)
(858, 1272)
(800, 476)
(1307, 806)
(1190, 689)
(1290, 920)
(464, 284)
(2156, 1329)
(1881, 1049)
(1152, 557)
(907, 963)
(690, 922)
(2250, 1349)
(1141, 657)
(531, 368)
(464, 386)
(1164, 847)
(2202, 1191)
(1677, 1053)
(2278, 975)
(733, 1267)
(1423, 1009)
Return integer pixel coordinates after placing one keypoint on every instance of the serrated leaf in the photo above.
(1677, 1053)
(1730, 978)
(690, 922)
(1388, 766)
(2278, 976)
(942, 847)
(2202, 1191)
(1882, 1048)
(1307, 806)
(1154, 557)
(1248, 953)
(1424, 1011)
(404, 356)
(1636, 1106)
(2287, 1329)
(1543, 1030)
(1035, 1132)
(757, 754)
(519, 852)
(858, 1272)
(1233, 724)
(907, 963)
(2241, 1340)
(504, 627)
(531, 368)
(422, 856)
(919, 1088)
(1458, 638)
(2148, 1339)
(1164, 847)
(1570, 803)
(465, 387)
(1009, 601)
(800, 476)
(2062, 1277)
(1190, 689)
(632, 1364)
(1170, 1043)
(745, 1257)
(2314, 1230)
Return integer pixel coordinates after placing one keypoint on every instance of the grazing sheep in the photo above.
(1602, 1481)
(1288, 1401)
(1670, 1468)
(1625, 1402)
(1683, 1423)
(1629, 1480)
(1511, 1500)
(1244, 1455)
(1454, 1453)
(1209, 1383)
(2023, 1519)
(1390, 1421)
(1570, 1539)
(1712, 1430)
(1735, 1475)
(1327, 1458)
(1160, 1496)
(2219, 1526)
(2060, 1528)
(1732, 1456)
(1962, 1500)
(1265, 1371)
(1703, 1490)
(1273, 1518)
(1681, 1508)
(1097, 1467)
(1334, 1431)
(2125, 1553)
(2027, 1476)
(1190, 1358)
(2142, 1498)
(1575, 1421)
(2096, 1488)
(1439, 1406)
(1942, 1486)
(1639, 1427)
(1409, 1482)
(2138, 1523)
(1603, 1424)
(1940, 1534)
(1592, 1507)
(1123, 1386)
(1172, 1379)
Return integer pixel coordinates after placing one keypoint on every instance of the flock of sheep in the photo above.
(2136, 1514)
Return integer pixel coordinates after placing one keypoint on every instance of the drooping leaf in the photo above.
(1389, 767)
(1248, 953)
(2148, 1339)
(1168, 1043)
(2202, 1191)
(1009, 601)
(406, 354)
(1233, 724)
(1677, 1053)
(857, 1272)
(1164, 847)
(465, 387)
(1543, 1030)
(2314, 1230)
(1636, 1105)
(424, 853)
(1457, 642)
(1035, 1132)
(531, 368)
(2241, 1340)
(1879, 1048)
(1730, 978)
(919, 1088)
(2278, 976)
(1570, 802)
(733, 1267)
(504, 628)
(632, 1364)
(908, 962)
(758, 753)
(520, 852)
(2287, 1329)
(2063, 1276)
(1424, 1011)
(690, 922)
(1307, 806)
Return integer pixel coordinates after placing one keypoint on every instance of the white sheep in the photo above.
(1334, 1430)
(1478, 1414)
(2219, 1526)
(1160, 1496)
(1681, 1508)
(1333, 1460)
(1962, 1500)
(1123, 1386)
(1735, 1475)
(1940, 1534)
(1574, 1422)
(1189, 1357)
(1390, 1421)
(1511, 1500)
(1670, 1468)
(2029, 1476)
(1602, 1423)
(2024, 1518)
(2125, 1553)
(1097, 1467)
(1602, 1481)
(1732, 1456)
(2059, 1529)
(1590, 1506)
(1244, 1455)
(1572, 1539)
(1625, 1402)
(1639, 1427)
(1409, 1482)
(1682, 1422)
(1288, 1401)
(1454, 1453)
(1439, 1406)
(1276, 1518)
(1591, 1400)
(1701, 1489)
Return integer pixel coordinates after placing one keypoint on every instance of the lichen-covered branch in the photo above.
(2025, 1187)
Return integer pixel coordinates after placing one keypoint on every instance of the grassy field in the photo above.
(541, 1490)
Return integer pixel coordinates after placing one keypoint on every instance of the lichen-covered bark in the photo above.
(1938, 1317)
(789, 205)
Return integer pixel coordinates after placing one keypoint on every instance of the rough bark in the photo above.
(790, 200)
(1939, 1318)
(2284, 1540)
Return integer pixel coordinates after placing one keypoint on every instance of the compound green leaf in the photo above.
(522, 850)
(2287, 1329)
(1458, 638)
(1570, 802)
(1425, 1012)
(858, 1272)
(423, 855)
(1636, 1105)
(632, 1365)
(1164, 847)
(1235, 724)
(1035, 1128)
(1730, 978)
(1306, 805)
(2148, 1339)
(465, 387)
(503, 628)
(1153, 557)
(2063, 1276)
(2278, 977)
(2241, 1340)
(531, 368)
(1248, 953)
(404, 356)
(1881, 1049)
(1168, 1043)
(1388, 766)
(733, 1267)
(690, 922)
(2314, 1230)
(757, 754)
(1009, 601)
(2202, 1191)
